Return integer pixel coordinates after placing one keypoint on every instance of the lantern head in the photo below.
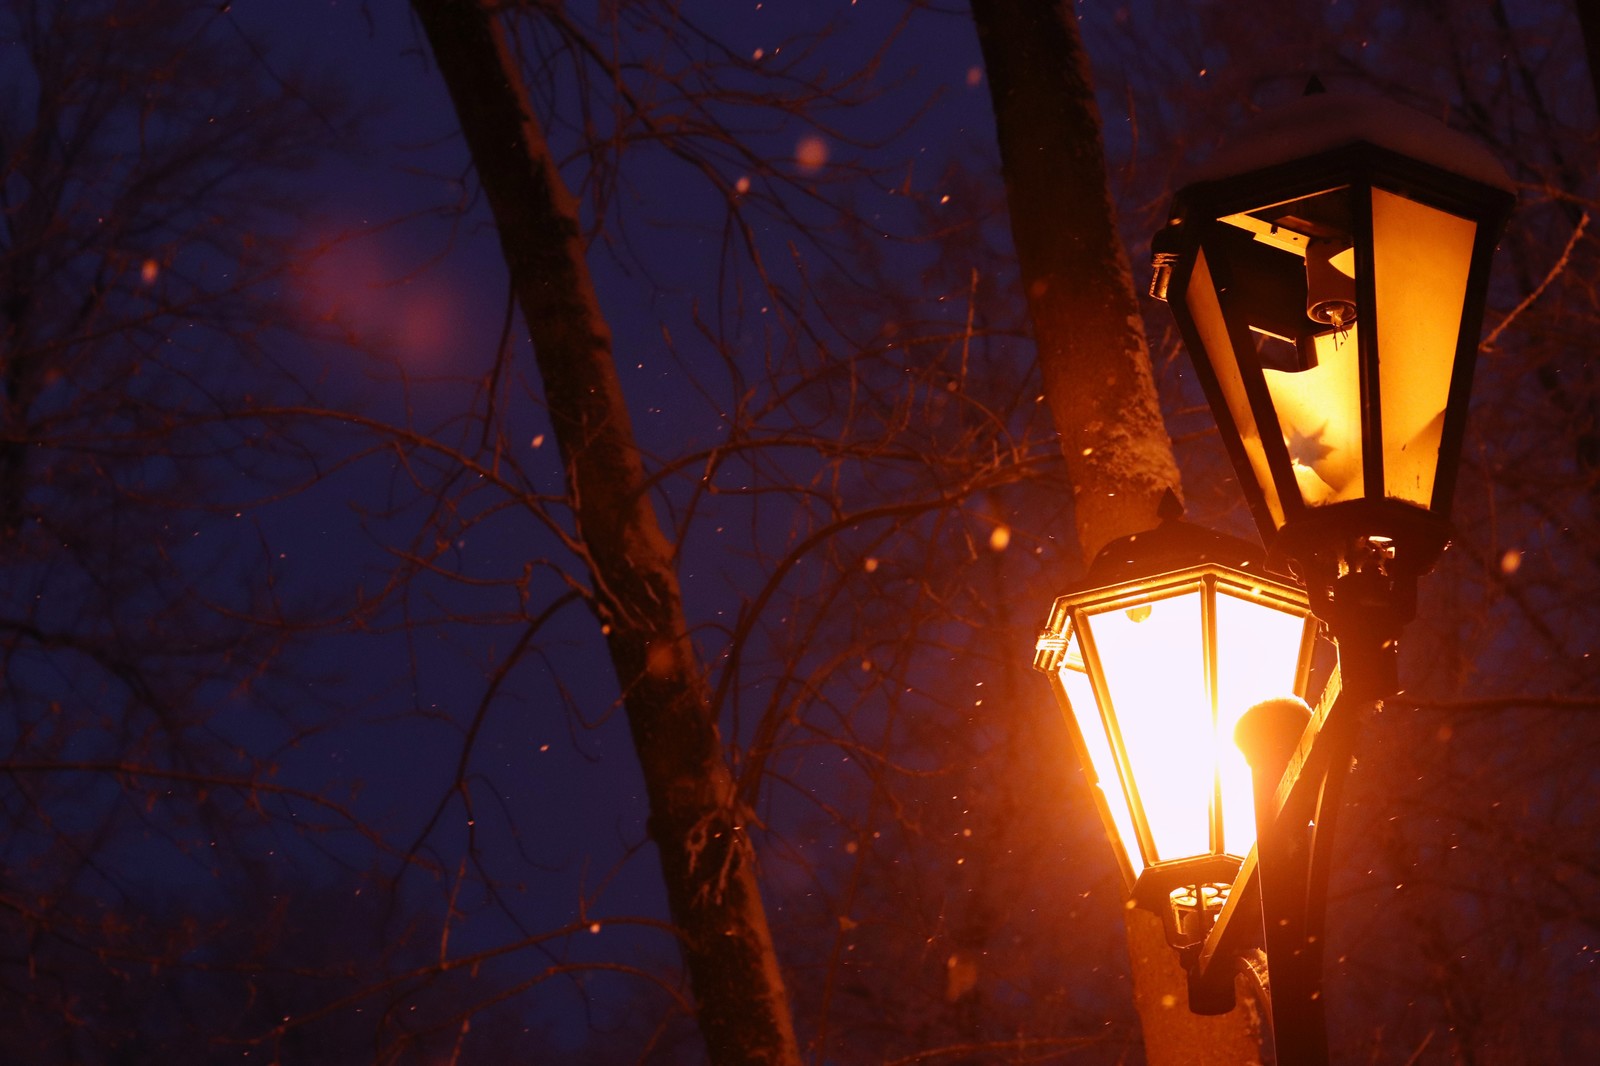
(1173, 635)
(1328, 272)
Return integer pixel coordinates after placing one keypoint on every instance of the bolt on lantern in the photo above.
(1173, 635)
(1328, 270)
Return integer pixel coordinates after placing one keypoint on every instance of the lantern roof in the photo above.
(1171, 545)
(1323, 121)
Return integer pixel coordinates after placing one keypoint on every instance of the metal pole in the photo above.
(1269, 734)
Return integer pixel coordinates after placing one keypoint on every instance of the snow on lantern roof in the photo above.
(1324, 121)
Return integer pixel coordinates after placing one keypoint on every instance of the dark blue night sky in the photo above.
(313, 751)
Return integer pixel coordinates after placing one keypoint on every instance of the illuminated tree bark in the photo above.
(1085, 314)
(696, 819)
(1097, 381)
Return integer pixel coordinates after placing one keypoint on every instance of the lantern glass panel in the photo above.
(1258, 658)
(1102, 763)
(1204, 305)
(1421, 258)
(1154, 663)
(1292, 283)
(1319, 412)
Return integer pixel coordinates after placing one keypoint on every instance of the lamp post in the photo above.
(1328, 271)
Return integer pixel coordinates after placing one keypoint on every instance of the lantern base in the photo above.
(1187, 894)
(1360, 561)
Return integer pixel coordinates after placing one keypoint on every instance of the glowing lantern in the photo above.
(1175, 633)
(1328, 271)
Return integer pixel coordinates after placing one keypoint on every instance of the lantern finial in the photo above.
(1170, 509)
(1268, 732)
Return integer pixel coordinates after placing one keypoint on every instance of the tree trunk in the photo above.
(695, 821)
(1086, 322)
(1097, 381)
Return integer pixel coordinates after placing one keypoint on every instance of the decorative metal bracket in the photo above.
(1280, 895)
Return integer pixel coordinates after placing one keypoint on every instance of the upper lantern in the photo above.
(1328, 270)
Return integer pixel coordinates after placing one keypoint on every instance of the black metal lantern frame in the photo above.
(1174, 634)
(1178, 645)
(1332, 306)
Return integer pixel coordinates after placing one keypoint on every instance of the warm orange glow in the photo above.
(366, 287)
(1201, 297)
(811, 153)
(1155, 676)
(1421, 257)
(1102, 764)
(1319, 412)
(1158, 730)
(1258, 653)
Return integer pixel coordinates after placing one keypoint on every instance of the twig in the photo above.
(1560, 265)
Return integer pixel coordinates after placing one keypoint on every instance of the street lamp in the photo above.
(1327, 270)
(1172, 636)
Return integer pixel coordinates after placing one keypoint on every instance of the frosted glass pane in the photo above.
(1156, 679)
(1258, 650)
(1201, 299)
(1420, 261)
(1101, 763)
(1320, 414)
